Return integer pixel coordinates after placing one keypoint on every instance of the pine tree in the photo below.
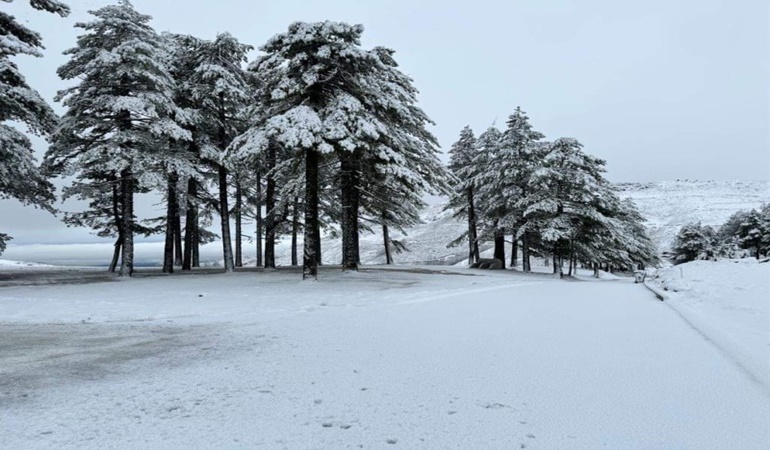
(326, 98)
(491, 201)
(221, 90)
(690, 244)
(520, 155)
(20, 178)
(752, 233)
(120, 116)
(462, 200)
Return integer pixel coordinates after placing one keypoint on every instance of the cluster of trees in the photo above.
(551, 198)
(317, 131)
(745, 233)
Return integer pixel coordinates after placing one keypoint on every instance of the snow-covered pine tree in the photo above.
(220, 90)
(490, 181)
(20, 178)
(561, 194)
(120, 114)
(690, 244)
(752, 233)
(387, 135)
(465, 169)
(327, 97)
(519, 156)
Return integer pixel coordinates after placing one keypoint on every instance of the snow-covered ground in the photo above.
(729, 302)
(409, 357)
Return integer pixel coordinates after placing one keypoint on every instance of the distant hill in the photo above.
(670, 204)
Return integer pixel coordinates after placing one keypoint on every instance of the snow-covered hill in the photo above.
(671, 204)
(666, 205)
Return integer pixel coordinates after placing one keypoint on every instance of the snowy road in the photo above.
(413, 361)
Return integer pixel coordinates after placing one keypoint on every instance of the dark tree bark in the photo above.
(514, 252)
(196, 253)
(178, 248)
(224, 214)
(270, 221)
(238, 223)
(386, 239)
(311, 254)
(191, 224)
(349, 199)
(294, 231)
(116, 209)
(116, 254)
(473, 241)
(554, 258)
(259, 231)
(500, 245)
(171, 208)
(318, 244)
(127, 222)
(525, 257)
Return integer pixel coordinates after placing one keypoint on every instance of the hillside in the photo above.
(671, 204)
(666, 205)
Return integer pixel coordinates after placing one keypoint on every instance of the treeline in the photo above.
(316, 132)
(744, 234)
(550, 198)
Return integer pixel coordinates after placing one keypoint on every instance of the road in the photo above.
(531, 363)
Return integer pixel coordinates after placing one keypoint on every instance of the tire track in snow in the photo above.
(726, 348)
(455, 293)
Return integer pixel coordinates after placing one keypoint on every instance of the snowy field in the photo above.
(405, 357)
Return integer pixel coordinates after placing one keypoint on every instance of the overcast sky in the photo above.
(661, 89)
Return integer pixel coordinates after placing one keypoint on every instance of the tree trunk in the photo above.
(294, 231)
(270, 222)
(224, 214)
(525, 259)
(238, 223)
(514, 252)
(116, 254)
(572, 257)
(311, 256)
(178, 248)
(473, 241)
(118, 224)
(196, 253)
(191, 220)
(555, 259)
(386, 238)
(171, 210)
(349, 200)
(127, 222)
(318, 244)
(500, 245)
(259, 220)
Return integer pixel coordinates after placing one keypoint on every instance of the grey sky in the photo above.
(660, 89)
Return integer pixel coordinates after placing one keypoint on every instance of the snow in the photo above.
(407, 357)
(728, 302)
(669, 205)
(6, 264)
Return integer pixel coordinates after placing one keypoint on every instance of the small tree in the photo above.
(692, 243)
(753, 232)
